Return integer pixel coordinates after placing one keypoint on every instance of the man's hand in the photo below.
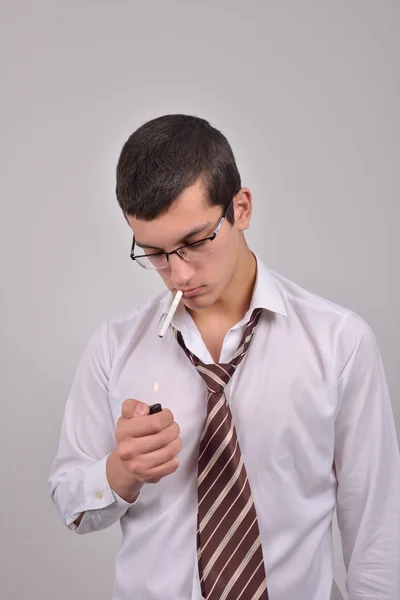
(146, 449)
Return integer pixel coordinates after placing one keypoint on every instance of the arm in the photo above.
(116, 476)
(367, 466)
(79, 485)
(100, 467)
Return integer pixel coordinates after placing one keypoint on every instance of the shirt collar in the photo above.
(266, 295)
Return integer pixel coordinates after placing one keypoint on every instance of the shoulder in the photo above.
(342, 330)
(115, 335)
(301, 300)
(142, 314)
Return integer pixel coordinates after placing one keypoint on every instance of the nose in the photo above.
(181, 271)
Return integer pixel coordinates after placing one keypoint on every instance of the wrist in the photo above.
(120, 481)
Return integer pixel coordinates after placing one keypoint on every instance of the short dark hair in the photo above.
(167, 155)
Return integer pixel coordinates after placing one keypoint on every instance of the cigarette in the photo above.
(170, 315)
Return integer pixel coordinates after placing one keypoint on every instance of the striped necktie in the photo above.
(229, 552)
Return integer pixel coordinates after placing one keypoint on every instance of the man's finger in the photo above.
(134, 408)
(143, 425)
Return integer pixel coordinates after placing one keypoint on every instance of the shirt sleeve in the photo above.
(367, 467)
(78, 477)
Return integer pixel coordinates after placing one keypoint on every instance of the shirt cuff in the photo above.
(99, 496)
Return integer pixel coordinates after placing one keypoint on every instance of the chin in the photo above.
(198, 302)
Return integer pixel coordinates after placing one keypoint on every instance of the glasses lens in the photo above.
(197, 251)
(156, 261)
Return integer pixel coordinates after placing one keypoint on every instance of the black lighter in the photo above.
(155, 408)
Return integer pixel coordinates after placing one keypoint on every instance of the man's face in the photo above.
(189, 219)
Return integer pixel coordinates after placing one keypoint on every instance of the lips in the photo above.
(192, 292)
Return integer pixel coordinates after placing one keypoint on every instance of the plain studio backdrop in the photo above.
(308, 94)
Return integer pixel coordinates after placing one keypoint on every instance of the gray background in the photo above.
(307, 93)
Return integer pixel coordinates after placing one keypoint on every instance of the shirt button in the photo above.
(99, 495)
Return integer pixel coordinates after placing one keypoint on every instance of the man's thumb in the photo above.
(134, 408)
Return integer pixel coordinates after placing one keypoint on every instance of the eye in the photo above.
(150, 252)
(198, 244)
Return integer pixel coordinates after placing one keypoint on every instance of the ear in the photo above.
(243, 209)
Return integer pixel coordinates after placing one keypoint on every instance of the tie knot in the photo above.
(216, 376)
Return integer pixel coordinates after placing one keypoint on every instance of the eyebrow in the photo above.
(191, 233)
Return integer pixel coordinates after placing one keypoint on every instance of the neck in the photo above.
(233, 304)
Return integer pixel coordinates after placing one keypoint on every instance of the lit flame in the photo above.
(156, 387)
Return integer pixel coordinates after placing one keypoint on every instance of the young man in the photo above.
(275, 406)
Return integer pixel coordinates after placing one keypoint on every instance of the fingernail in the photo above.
(140, 409)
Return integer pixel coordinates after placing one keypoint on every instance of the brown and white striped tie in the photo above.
(229, 549)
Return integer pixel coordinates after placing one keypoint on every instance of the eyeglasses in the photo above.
(188, 252)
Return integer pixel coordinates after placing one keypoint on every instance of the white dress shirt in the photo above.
(315, 425)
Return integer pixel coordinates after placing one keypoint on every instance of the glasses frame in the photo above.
(177, 250)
